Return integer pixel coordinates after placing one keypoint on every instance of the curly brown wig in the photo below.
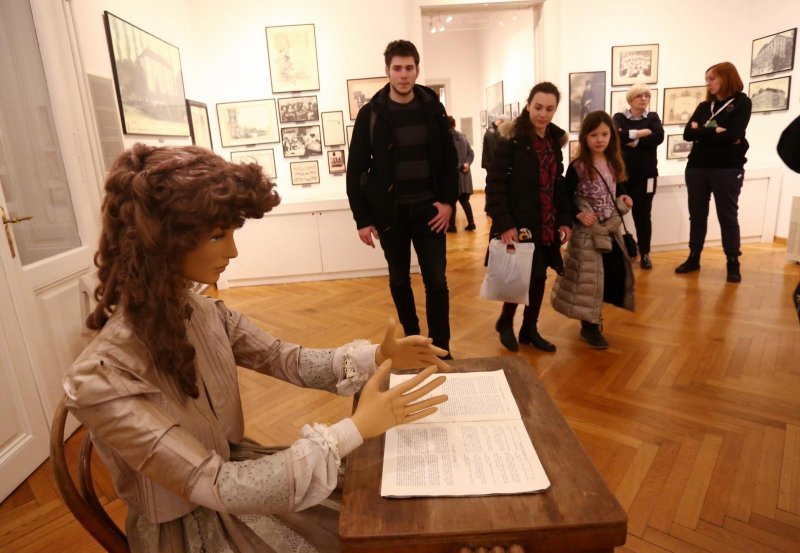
(160, 202)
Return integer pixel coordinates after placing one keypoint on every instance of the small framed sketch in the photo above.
(771, 94)
(680, 103)
(336, 165)
(483, 118)
(677, 147)
(507, 110)
(301, 141)
(333, 128)
(265, 158)
(494, 101)
(298, 109)
(773, 53)
(514, 110)
(199, 127)
(587, 92)
(574, 148)
(292, 54)
(350, 135)
(619, 102)
(246, 123)
(634, 64)
(361, 91)
(304, 172)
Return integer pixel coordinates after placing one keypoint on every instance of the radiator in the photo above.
(793, 243)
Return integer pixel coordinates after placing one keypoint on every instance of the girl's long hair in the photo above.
(613, 151)
(160, 202)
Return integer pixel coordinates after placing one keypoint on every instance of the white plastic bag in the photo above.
(508, 273)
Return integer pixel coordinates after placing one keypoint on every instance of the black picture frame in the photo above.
(680, 103)
(635, 63)
(677, 147)
(292, 57)
(304, 172)
(301, 141)
(289, 112)
(199, 125)
(770, 94)
(773, 53)
(337, 163)
(587, 93)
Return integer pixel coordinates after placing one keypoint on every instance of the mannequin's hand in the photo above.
(379, 411)
(411, 352)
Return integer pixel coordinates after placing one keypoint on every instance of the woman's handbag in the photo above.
(508, 273)
(630, 242)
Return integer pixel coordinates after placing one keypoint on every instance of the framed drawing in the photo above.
(514, 109)
(770, 95)
(292, 54)
(619, 103)
(677, 147)
(494, 102)
(148, 78)
(336, 165)
(507, 111)
(634, 64)
(349, 135)
(265, 158)
(483, 118)
(199, 127)
(246, 123)
(333, 128)
(361, 91)
(773, 53)
(304, 172)
(587, 92)
(301, 141)
(298, 109)
(680, 103)
(574, 148)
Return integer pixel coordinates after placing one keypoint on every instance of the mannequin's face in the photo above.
(208, 260)
(402, 73)
(541, 109)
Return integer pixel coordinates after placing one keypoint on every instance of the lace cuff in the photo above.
(357, 365)
(339, 439)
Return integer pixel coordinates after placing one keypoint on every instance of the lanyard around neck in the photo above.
(715, 113)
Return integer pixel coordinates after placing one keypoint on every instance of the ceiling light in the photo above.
(449, 19)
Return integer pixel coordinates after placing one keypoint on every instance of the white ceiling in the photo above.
(474, 17)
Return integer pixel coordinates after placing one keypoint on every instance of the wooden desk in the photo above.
(577, 513)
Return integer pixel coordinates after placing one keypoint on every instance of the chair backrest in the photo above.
(82, 501)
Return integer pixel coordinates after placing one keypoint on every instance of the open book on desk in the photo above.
(476, 444)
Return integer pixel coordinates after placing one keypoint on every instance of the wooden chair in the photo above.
(82, 502)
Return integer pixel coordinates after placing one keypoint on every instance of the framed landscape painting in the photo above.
(246, 123)
(292, 54)
(634, 64)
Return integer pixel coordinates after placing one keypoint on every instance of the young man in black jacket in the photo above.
(402, 183)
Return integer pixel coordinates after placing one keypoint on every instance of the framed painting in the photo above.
(770, 94)
(265, 158)
(677, 147)
(298, 109)
(773, 53)
(494, 102)
(336, 165)
(292, 54)
(680, 103)
(619, 103)
(199, 127)
(304, 172)
(148, 79)
(246, 123)
(333, 128)
(361, 91)
(350, 135)
(301, 141)
(514, 109)
(634, 64)
(587, 92)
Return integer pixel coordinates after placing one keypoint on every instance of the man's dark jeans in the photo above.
(411, 227)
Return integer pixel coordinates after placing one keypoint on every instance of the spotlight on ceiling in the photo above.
(449, 19)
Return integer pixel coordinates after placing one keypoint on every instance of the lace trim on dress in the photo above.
(320, 433)
(316, 368)
(256, 486)
(353, 379)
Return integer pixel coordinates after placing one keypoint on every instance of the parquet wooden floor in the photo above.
(692, 415)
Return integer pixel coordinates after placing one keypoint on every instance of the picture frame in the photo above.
(361, 91)
(636, 63)
(677, 147)
(265, 158)
(587, 92)
(292, 55)
(333, 132)
(773, 53)
(298, 109)
(350, 135)
(247, 123)
(336, 162)
(515, 109)
(483, 118)
(573, 148)
(494, 102)
(199, 126)
(680, 103)
(301, 141)
(770, 94)
(618, 102)
(147, 105)
(304, 172)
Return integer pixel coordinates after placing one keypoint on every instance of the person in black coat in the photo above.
(789, 150)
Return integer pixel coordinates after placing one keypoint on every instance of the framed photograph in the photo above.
(773, 53)
(265, 158)
(770, 95)
(199, 127)
(587, 92)
(361, 91)
(494, 102)
(574, 147)
(680, 103)
(298, 109)
(246, 123)
(292, 53)
(148, 78)
(634, 64)
(350, 135)
(304, 172)
(333, 128)
(677, 147)
(301, 141)
(336, 165)
(483, 118)
(619, 103)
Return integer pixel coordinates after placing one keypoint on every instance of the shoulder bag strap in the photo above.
(613, 199)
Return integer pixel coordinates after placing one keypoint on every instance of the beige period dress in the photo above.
(171, 456)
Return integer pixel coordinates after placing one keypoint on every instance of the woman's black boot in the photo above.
(733, 269)
(691, 264)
